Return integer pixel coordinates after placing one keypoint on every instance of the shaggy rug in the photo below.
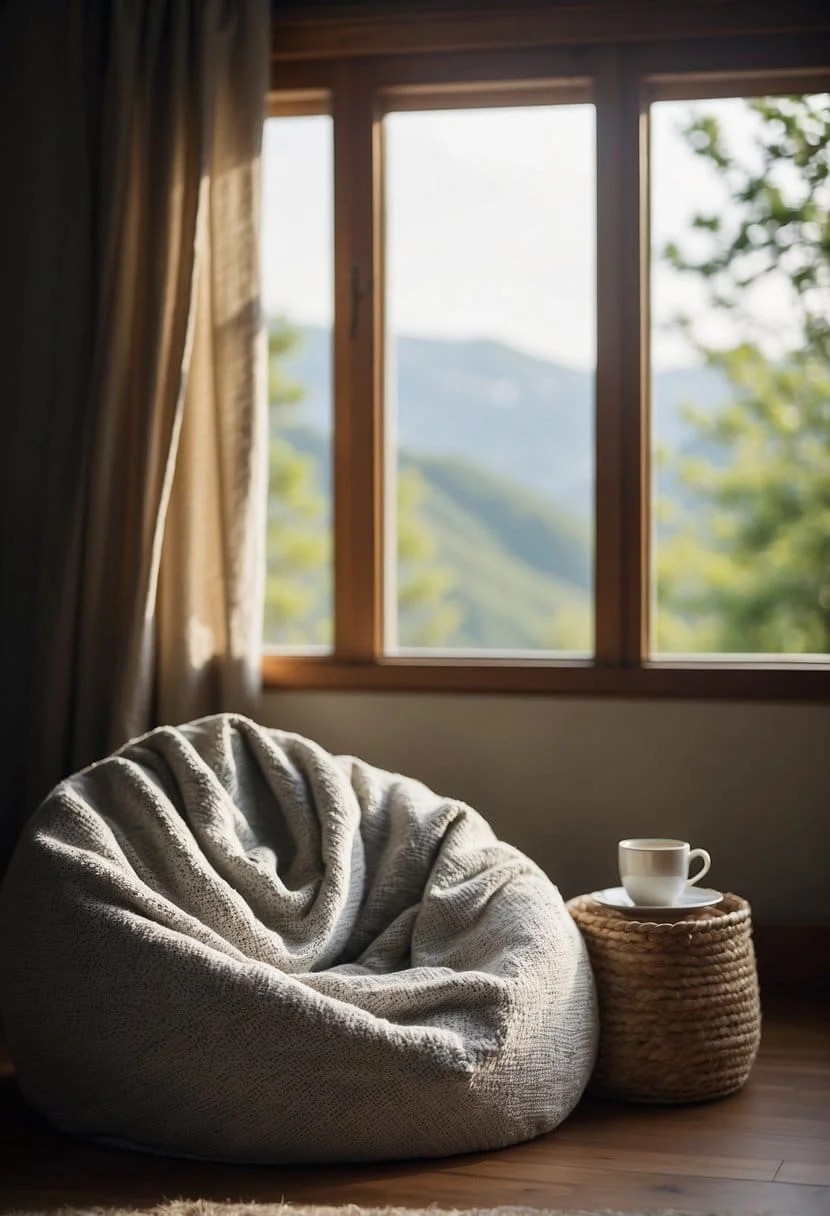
(202, 1207)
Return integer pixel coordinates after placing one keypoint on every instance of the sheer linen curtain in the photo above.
(137, 453)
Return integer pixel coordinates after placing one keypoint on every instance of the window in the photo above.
(740, 376)
(490, 353)
(298, 303)
(550, 369)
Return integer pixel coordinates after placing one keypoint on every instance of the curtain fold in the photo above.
(139, 449)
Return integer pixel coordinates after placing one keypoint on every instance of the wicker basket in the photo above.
(680, 1017)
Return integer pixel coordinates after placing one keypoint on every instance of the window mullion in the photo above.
(358, 462)
(622, 564)
(608, 577)
(636, 381)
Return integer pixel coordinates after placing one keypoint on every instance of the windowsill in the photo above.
(709, 679)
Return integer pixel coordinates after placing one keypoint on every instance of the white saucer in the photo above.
(693, 897)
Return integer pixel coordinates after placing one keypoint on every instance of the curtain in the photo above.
(133, 476)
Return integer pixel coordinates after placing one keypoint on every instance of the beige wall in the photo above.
(565, 779)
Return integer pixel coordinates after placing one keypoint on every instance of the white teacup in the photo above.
(655, 872)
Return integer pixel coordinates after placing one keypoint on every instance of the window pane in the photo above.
(490, 359)
(741, 376)
(298, 296)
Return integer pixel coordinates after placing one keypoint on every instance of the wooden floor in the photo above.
(766, 1149)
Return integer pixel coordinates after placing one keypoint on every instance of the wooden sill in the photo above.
(793, 682)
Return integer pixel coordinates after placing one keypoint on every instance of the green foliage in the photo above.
(545, 537)
(503, 599)
(747, 568)
(298, 537)
(428, 614)
(298, 589)
(491, 590)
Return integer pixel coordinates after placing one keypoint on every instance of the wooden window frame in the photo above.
(364, 76)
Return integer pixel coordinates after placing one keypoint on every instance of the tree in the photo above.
(298, 596)
(749, 571)
(298, 538)
(427, 613)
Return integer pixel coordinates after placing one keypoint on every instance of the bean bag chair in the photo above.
(223, 942)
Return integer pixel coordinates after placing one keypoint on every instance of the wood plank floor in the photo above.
(766, 1149)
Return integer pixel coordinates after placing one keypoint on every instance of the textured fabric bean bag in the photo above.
(224, 942)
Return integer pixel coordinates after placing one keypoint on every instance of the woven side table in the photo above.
(680, 1016)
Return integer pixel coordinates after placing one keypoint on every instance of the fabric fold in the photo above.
(310, 952)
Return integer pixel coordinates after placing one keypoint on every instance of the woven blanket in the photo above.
(224, 942)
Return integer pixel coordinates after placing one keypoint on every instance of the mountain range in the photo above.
(504, 411)
(502, 445)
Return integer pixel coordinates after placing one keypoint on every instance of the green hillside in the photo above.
(514, 570)
(505, 603)
(538, 532)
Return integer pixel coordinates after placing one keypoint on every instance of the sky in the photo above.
(491, 225)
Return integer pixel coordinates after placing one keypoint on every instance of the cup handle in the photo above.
(704, 869)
